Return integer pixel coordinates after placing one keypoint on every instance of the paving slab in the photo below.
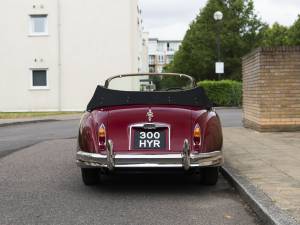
(270, 161)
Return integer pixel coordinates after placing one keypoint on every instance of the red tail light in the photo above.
(197, 137)
(102, 137)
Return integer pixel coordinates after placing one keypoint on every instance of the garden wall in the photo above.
(271, 89)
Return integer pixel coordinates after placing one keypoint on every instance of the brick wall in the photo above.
(271, 89)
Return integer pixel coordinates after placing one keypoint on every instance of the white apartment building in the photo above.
(161, 53)
(144, 52)
(53, 53)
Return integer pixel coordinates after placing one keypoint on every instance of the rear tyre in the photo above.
(90, 176)
(210, 176)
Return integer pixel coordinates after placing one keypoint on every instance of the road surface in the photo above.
(40, 184)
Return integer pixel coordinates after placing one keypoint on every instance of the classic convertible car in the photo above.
(141, 122)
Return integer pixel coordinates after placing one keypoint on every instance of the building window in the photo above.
(39, 79)
(161, 59)
(38, 25)
(152, 69)
(151, 59)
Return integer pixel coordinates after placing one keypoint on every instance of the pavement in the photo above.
(270, 161)
(9, 122)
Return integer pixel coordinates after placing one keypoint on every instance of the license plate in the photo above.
(145, 139)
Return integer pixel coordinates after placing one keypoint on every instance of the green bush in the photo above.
(224, 92)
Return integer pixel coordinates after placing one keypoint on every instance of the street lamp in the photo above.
(218, 16)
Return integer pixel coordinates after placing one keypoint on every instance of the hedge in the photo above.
(224, 92)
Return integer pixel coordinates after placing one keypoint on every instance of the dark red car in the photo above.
(145, 122)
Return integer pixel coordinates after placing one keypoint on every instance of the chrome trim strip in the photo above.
(110, 155)
(193, 82)
(149, 165)
(186, 155)
(193, 156)
(92, 160)
(136, 156)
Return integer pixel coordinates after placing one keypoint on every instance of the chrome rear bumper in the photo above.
(185, 160)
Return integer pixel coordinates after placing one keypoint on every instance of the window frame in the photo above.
(151, 59)
(161, 59)
(31, 25)
(31, 87)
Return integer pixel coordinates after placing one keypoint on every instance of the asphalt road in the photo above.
(41, 185)
(14, 138)
(230, 117)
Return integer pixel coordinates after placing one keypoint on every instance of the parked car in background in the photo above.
(142, 122)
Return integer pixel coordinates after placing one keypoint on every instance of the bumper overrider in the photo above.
(185, 160)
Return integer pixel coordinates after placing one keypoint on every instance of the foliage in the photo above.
(276, 35)
(171, 82)
(240, 32)
(224, 92)
(294, 33)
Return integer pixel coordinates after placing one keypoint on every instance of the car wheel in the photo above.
(90, 176)
(210, 175)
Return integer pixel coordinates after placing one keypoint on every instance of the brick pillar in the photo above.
(271, 89)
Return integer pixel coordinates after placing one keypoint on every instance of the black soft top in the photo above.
(104, 97)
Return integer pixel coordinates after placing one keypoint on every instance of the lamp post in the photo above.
(218, 16)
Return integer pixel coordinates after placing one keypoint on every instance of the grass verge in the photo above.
(16, 115)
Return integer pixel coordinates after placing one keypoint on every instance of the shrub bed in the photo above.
(224, 92)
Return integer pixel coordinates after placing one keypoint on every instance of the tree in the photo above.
(277, 35)
(294, 33)
(240, 32)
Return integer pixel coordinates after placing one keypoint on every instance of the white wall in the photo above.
(161, 53)
(145, 47)
(97, 39)
(18, 52)
(152, 46)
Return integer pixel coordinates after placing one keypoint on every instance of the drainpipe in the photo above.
(59, 55)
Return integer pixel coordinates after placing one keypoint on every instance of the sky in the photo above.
(169, 19)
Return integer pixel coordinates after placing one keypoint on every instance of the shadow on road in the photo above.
(172, 184)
